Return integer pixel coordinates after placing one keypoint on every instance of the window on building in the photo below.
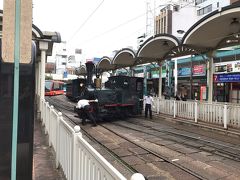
(204, 10)
(199, 1)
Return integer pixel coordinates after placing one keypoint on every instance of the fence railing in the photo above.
(78, 159)
(225, 114)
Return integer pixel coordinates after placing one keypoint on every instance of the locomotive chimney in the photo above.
(89, 67)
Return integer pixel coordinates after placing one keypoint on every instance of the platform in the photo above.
(43, 160)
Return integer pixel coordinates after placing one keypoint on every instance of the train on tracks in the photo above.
(53, 88)
(120, 98)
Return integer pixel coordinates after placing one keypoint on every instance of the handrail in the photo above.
(225, 114)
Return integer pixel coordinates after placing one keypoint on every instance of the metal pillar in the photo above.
(160, 81)
(145, 80)
(175, 78)
(210, 76)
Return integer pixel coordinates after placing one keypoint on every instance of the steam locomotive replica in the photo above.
(120, 98)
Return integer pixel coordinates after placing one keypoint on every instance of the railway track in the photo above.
(218, 148)
(133, 142)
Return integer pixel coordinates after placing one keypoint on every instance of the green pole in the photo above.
(145, 80)
(15, 89)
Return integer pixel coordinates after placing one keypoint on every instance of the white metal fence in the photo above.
(225, 114)
(78, 159)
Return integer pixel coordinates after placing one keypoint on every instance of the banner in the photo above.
(199, 70)
(184, 71)
(227, 67)
(226, 78)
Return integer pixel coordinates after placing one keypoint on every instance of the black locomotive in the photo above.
(120, 98)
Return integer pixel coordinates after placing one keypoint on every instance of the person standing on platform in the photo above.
(148, 105)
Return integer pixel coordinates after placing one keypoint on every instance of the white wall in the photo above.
(183, 19)
(222, 3)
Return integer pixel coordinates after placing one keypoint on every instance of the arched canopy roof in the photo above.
(81, 70)
(124, 58)
(105, 64)
(216, 30)
(156, 47)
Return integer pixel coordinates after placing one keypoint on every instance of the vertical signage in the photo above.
(203, 93)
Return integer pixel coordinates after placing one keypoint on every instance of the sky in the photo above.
(98, 27)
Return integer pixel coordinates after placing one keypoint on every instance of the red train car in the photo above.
(53, 88)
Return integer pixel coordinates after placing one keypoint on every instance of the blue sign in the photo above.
(185, 71)
(227, 77)
(65, 74)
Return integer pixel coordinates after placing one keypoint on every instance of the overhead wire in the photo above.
(116, 27)
(81, 26)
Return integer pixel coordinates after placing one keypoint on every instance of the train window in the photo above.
(57, 86)
(48, 85)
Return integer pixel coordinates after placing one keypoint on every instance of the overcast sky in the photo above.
(98, 27)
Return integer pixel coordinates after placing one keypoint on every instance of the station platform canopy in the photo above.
(217, 30)
(81, 71)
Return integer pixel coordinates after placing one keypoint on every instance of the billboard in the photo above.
(227, 67)
(184, 71)
(199, 70)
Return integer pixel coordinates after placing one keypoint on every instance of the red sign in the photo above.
(203, 93)
(199, 70)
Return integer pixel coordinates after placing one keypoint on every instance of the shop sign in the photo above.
(227, 67)
(199, 70)
(203, 93)
(164, 73)
(227, 78)
(155, 74)
(139, 75)
(184, 71)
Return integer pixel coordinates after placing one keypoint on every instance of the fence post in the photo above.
(174, 109)
(225, 116)
(196, 111)
(137, 176)
(49, 126)
(46, 117)
(41, 111)
(58, 139)
(74, 152)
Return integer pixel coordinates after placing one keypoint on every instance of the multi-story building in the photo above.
(176, 18)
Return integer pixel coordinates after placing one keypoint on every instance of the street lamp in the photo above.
(234, 26)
